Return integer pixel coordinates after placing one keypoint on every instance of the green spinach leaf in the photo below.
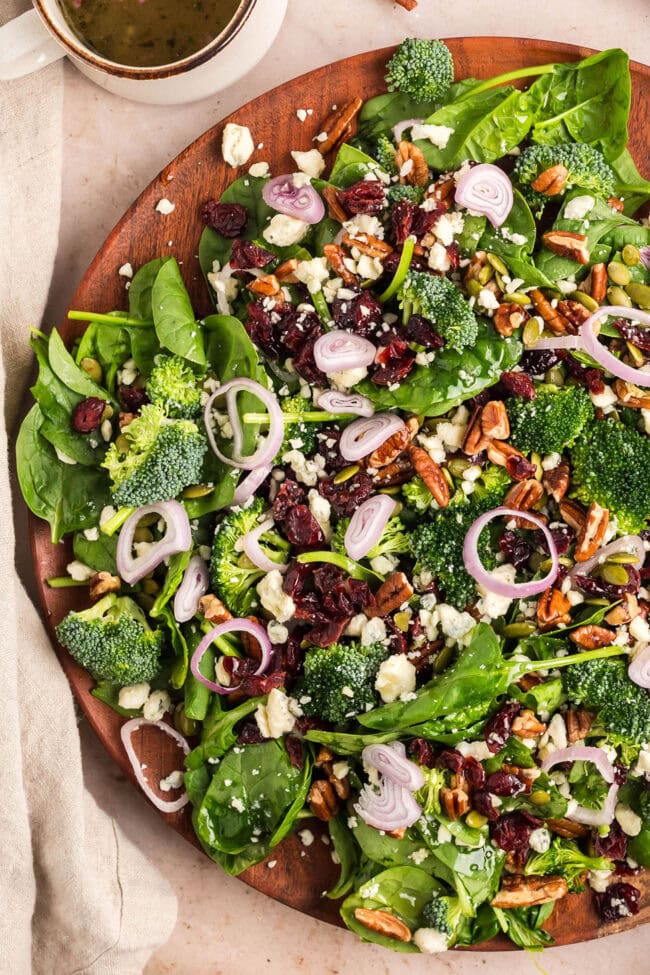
(173, 315)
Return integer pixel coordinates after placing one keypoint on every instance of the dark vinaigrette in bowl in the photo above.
(146, 33)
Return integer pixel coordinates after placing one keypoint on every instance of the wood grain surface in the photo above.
(301, 874)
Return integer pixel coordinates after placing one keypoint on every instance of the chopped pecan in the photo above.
(384, 923)
(529, 680)
(526, 725)
(422, 656)
(592, 533)
(102, 583)
(574, 312)
(398, 834)
(552, 181)
(390, 595)
(393, 447)
(125, 418)
(213, 609)
(578, 722)
(322, 800)
(627, 610)
(556, 481)
(557, 323)
(266, 285)
(442, 191)
(431, 473)
(250, 644)
(337, 123)
(337, 257)
(552, 609)
(616, 204)
(367, 244)
(630, 395)
(525, 775)
(334, 209)
(518, 891)
(567, 828)
(524, 496)
(592, 637)
(285, 272)
(411, 164)
(494, 420)
(455, 802)
(503, 454)
(598, 283)
(567, 244)
(475, 266)
(474, 440)
(508, 317)
(573, 513)
(398, 472)
(325, 761)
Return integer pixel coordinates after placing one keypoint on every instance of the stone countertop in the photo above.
(112, 150)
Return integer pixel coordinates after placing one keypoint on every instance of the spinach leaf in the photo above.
(247, 191)
(173, 315)
(67, 370)
(599, 223)
(99, 554)
(219, 730)
(523, 925)
(140, 292)
(350, 165)
(379, 114)
(344, 743)
(473, 874)
(546, 697)
(110, 345)
(514, 242)
(347, 852)
(196, 695)
(630, 184)
(555, 808)
(451, 379)
(388, 850)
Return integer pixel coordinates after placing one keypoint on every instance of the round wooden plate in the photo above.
(197, 174)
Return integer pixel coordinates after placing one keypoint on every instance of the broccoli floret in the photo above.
(551, 421)
(443, 914)
(417, 495)
(397, 191)
(339, 681)
(563, 857)
(603, 685)
(232, 574)
(394, 539)
(295, 429)
(113, 640)
(611, 465)
(172, 386)
(383, 150)
(437, 544)
(586, 167)
(161, 458)
(337, 541)
(421, 68)
(439, 300)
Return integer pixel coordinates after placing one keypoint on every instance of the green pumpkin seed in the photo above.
(92, 368)
(186, 726)
(639, 293)
(555, 376)
(458, 466)
(635, 354)
(389, 490)
(475, 820)
(585, 300)
(402, 621)
(122, 444)
(197, 491)
(442, 659)
(516, 298)
(616, 296)
(150, 586)
(540, 798)
(497, 263)
(631, 255)
(346, 474)
(500, 282)
(618, 273)
(622, 558)
(148, 520)
(615, 574)
(142, 534)
(485, 274)
(517, 631)
(473, 288)
(532, 331)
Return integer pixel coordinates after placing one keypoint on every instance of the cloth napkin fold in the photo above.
(78, 898)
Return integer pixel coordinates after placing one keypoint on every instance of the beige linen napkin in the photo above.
(75, 895)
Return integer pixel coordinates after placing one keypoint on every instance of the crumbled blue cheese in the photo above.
(447, 226)
(627, 819)
(540, 840)
(156, 705)
(491, 606)
(474, 749)
(134, 696)
(277, 632)
(237, 144)
(273, 597)
(310, 162)
(92, 534)
(578, 207)
(487, 300)
(373, 631)
(79, 572)
(364, 224)
(173, 781)
(370, 268)
(430, 941)
(259, 169)
(453, 623)
(384, 564)
(396, 676)
(321, 509)
(224, 285)
(439, 258)
(165, 207)
(439, 135)
(308, 470)
(126, 271)
(312, 273)
(284, 231)
(599, 879)
(346, 378)
(275, 718)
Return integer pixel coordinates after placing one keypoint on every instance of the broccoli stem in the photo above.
(116, 521)
(508, 76)
(312, 416)
(353, 568)
(65, 582)
(93, 316)
(321, 306)
(401, 271)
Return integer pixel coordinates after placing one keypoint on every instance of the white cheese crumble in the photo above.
(126, 271)
(237, 144)
(430, 941)
(284, 231)
(447, 226)
(172, 781)
(396, 676)
(373, 631)
(540, 840)
(310, 162)
(156, 705)
(627, 819)
(346, 378)
(306, 837)
(321, 509)
(273, 597)
(439, 258)
(259, 169)
(578, 207)
(491, 605)
(165, 207)
(79, 572)
(313, 273)
(277, 632)
(274, 718)
(439, 135)
(134, 696)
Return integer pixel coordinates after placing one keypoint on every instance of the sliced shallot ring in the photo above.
(604, 358)
(585, 753)
(126, 734)
(363, 436)
(391, 762)
(250, 484)
(177, 538)
(367, 525)
(559, 342)
(267, 451)
(231, 626)
(301, 202)
(512, 590)
(400, 127)
(391, 807)
(251, 546)
(486, 190)
(194, 584)
(631, 544)
(339, 350)
(639, 667)
(353, 403)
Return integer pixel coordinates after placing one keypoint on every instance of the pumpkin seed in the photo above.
(540, 798)
(532, 331)
(108, 412)
(197, 491)
(631, 255)
(92, 368)
(635, 354)
(473, 288)
(639, 293)
(142, 534)
(537, 461)
(497, 263)
(615, 574)
(555, 376)
(150, 586)
(458, 465)
(618, 273)
(346, 473)
(517, 631)
(622, 558)
(395, 489)
(616, 296)
(500, 282)
(442, 659)
(516, 298)
(145, 601)
(122, 444)
(474, 819)
(148, 520)
(186, 726)
(485, 274)
(585, 300)
(402, 621)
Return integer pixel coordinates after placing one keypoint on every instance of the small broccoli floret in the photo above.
(421, 68)
(337, 541)
(394, 539)
(113, 640)
(172, 386)
(340, 680)
(383, 150)
(295, 429)
(611, 465)
(563, 857)
(551, 421)
(443, 914)
(232, 574)
(587, 168)
(439, 300)
(603, 685)
(490, 487)
(417, 495)
(397, 191)
(163, 457)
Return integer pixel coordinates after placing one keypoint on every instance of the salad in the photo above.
(369, 542)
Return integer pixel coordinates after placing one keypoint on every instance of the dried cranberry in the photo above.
(305, 365)
(362, 314)
(245, 254)
(395, 362)
(474, 773)
(250, 734)
(327, 577)
(360, 595)
(620, 773)
(618, 901)
(519, 468)
(337, 603)
(419, 329)
(295, 578)
(504, 784)
(453, 255)
(295, 328)
(511, 833)
(623, 869)
(401, 220)
(305, 724)
(422, 752)
(261, 327)
(302, 529)
(613, 845)
(325, 634)
(482, 802)
(598, 587)
(515, 548)
(291, 657)
(589, 377)
(346, 497)
(309, 608)
(563, 537)
(519, 384)
(498, 729)
(366, 196)
(451, 759)
(329, 449)
(396, 642)
(539, 361)
(633, 334)
(87, 415)
(289, 495)
(423, 220)
(294, 751)
(132, 398)
(228, 219)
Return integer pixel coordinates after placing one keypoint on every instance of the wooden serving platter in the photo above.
(199, 173)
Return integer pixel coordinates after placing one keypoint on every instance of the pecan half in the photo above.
(337, 123)
(102, 583)
(598, 283)
(578, 722)
(325, 761)
(266, 285)
(400, 471)
(285, 272)
(552, 609)
(367, 244)
(556, 481)
(474, 440)
(494, 420)
(525, 775)
(630, 395)
(336, 258)
(411, 164)
(442, 191)
(407, 4)
(526, 725)
(573, 514)
(574, 312)
(334, 209)
(567, 828)
(322, 800)
(592, 534)
(431, 473)
(552, 181)
(390, 450)
(384, 923)
(508, 317)
(213, 609)
(455, 802)
(592, 637)
(518, 891)
(557, 323)
(567, 244)
(524, 495)
(391, 594)
(627, 610)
